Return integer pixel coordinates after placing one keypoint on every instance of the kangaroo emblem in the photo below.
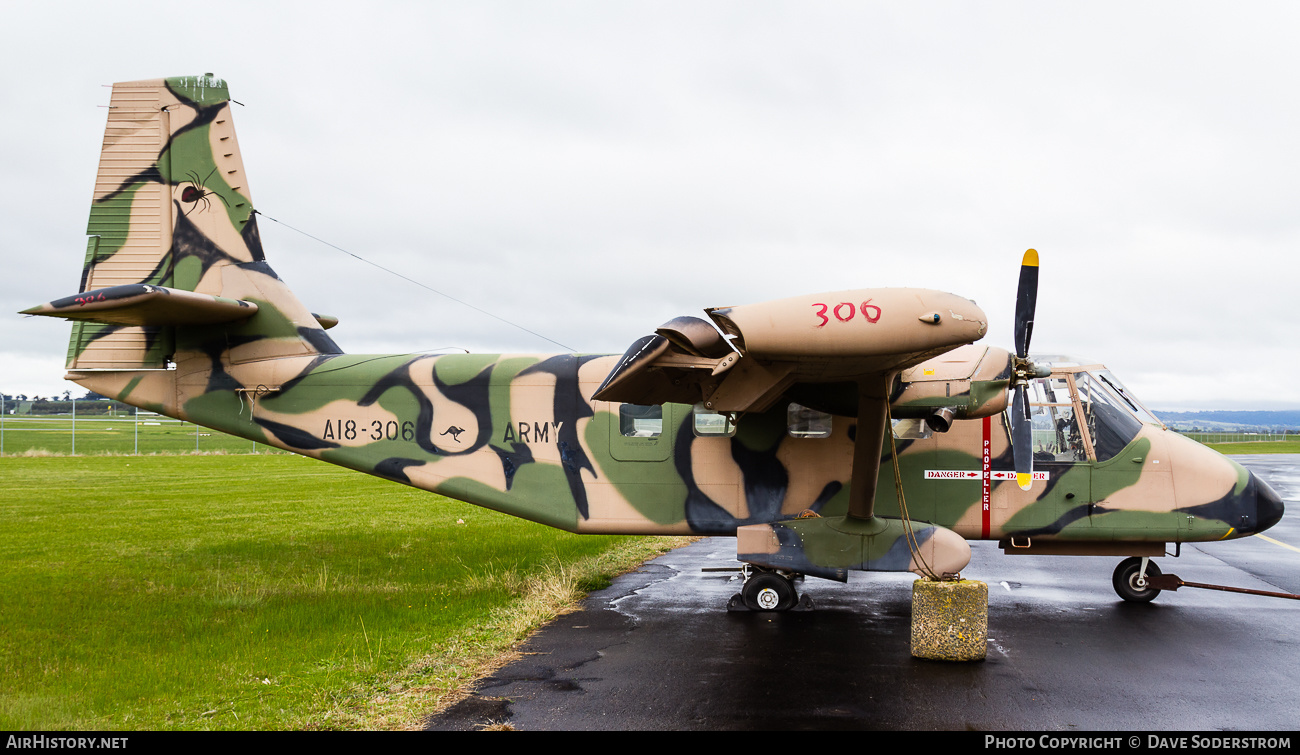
(454, 432)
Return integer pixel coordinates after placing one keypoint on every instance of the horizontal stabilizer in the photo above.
(326, 321)
(143, 305)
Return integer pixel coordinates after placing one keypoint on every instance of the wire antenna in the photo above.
(416, 282)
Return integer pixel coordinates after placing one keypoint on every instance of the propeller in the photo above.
(1023, 370)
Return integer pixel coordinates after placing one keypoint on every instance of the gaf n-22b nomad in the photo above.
(769, 423)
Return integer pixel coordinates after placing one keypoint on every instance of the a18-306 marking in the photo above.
(350, 429)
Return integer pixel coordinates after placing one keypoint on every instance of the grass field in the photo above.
(260, 592)
(1258, 447)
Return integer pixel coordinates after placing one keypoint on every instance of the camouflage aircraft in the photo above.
(853, 430)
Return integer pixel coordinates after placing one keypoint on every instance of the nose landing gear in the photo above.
(1133, 582)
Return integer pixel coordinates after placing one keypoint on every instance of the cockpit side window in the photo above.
(1056, 436)
(1112, 419)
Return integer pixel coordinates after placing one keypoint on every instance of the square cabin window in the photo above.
(912, 429)
(802, 422)
(709, 423)
(640, 421)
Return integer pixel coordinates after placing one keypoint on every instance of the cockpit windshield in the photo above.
(1130, 400)
(1114, 417)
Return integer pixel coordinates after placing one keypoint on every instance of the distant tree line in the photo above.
(91, 404)
(1227, 420)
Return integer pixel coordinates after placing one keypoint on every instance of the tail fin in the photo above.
(172, 213)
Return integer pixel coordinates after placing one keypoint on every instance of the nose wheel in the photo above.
(768, 591)
(1133, 583)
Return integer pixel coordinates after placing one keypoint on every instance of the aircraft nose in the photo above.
(1268, 505)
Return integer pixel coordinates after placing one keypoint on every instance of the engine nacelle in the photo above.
(966, 383)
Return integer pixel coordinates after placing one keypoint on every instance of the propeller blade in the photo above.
(1026, 301)
(1022, 439)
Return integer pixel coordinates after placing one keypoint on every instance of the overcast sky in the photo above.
(590, 170)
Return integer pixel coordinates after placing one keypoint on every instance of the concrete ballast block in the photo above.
(950, 620)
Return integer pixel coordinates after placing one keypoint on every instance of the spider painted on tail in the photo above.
(197, 192)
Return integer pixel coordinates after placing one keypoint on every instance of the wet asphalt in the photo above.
(658, 649)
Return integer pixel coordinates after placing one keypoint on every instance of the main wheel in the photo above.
(1126, 580)
(769, 592)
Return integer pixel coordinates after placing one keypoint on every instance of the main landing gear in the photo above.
(1132, 582)
(767, 590)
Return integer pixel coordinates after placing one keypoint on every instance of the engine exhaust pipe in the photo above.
(940, 419)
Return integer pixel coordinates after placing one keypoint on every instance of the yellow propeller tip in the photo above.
(1031, 258)
(1023, 479)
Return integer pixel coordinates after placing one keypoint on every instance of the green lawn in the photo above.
(1260, 447)
(253, 592)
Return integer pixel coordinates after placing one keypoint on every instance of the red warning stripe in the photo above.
(986, 455)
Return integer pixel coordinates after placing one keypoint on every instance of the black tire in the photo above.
(1126, 577)
(769, 592)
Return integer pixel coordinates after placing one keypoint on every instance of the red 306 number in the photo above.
(845, 310)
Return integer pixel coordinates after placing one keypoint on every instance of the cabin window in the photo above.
(640, 421)
(1056, 435)
(803, 422)
(709, 423)
(912, 429)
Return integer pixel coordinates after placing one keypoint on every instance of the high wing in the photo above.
(832, 339)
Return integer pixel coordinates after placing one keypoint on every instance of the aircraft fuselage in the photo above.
(520, 434)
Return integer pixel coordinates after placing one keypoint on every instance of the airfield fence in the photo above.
(134, 432)
(1261, 436)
